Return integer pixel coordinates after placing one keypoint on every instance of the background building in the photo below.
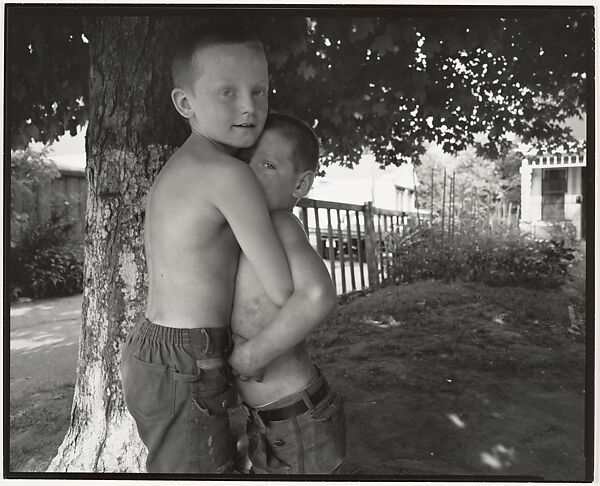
(553, 192)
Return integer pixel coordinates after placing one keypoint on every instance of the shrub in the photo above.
(501, 258)
(44, 263)
(29, 169)
(518, 260)
(563, 231)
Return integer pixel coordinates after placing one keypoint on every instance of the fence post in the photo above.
(350, 251)
(43, 198)
(371, 246)
(331, 248)
(305, 221)
(443, 216)
(320, 243)
(341, 249)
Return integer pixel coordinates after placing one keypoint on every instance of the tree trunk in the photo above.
(132, 132)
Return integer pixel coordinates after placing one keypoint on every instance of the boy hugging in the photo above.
(295, 420)
(224, 250)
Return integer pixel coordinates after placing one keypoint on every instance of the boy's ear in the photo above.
(181, 102)
(303, 184)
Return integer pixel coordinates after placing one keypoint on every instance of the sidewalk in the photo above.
(44, 339)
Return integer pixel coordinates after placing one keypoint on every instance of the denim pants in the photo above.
(311, 443)
(177, 387)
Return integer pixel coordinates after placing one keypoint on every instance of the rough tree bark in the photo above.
(132, 132)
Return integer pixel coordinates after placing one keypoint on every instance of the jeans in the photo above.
(311, 443)
(177, 387)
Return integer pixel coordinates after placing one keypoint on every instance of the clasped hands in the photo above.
(243, 360)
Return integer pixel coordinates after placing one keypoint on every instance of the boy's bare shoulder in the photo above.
(309, 273)
(210, 169)
(209, 160)
(288, 227)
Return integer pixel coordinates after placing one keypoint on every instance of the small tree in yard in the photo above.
(475, 178)
(390, 82)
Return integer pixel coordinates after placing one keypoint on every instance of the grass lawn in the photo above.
(460, 379)
(438, 379)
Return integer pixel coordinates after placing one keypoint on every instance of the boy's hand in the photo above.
(241, 360)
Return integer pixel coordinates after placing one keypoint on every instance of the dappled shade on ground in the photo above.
(438, 379)
(458, 379)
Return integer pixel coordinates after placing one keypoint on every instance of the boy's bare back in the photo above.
(191, 252)
(205, 204)
(191, 249)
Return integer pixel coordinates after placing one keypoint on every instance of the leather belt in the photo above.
(295, 409)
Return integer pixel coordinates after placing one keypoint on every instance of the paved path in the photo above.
(44, 339)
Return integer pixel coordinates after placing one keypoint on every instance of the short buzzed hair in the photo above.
(183, 69)
(306, 143)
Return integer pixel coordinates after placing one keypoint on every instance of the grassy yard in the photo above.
(438, 379)
(460, 379)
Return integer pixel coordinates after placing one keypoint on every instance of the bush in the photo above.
(44, 263)
(506, 258)
(29, 169)
(563, 231)
(519, 261)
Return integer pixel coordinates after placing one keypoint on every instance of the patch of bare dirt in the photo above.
(38, 424)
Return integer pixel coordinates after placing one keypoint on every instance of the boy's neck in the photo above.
(289, 209)
(219, 146)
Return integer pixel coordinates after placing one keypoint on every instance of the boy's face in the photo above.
(273, 165)
(229, 96)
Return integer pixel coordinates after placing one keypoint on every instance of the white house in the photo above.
(552, 191)
(391, 188)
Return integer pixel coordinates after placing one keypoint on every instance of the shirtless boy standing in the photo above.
(295, 421)
(203, 207)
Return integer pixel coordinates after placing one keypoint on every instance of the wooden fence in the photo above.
(67, 192)
(356, 240)
(359, 241)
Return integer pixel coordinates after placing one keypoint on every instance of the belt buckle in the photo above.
(229, 347)
(307, 401)
(255, 416)
(246, 410)
(208, 342)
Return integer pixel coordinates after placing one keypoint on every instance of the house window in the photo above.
(554, 184)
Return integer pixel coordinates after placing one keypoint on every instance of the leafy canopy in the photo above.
(390, 79)
(48, 83)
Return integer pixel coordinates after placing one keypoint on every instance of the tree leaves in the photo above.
(380, 109)
(363, 81)
(382, 44)
(48, 74)
(362, 27)
(306, 70)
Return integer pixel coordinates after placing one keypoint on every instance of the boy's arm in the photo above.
(313, 299)
(241, 200)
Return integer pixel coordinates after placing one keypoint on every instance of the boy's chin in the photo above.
(244, 144)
